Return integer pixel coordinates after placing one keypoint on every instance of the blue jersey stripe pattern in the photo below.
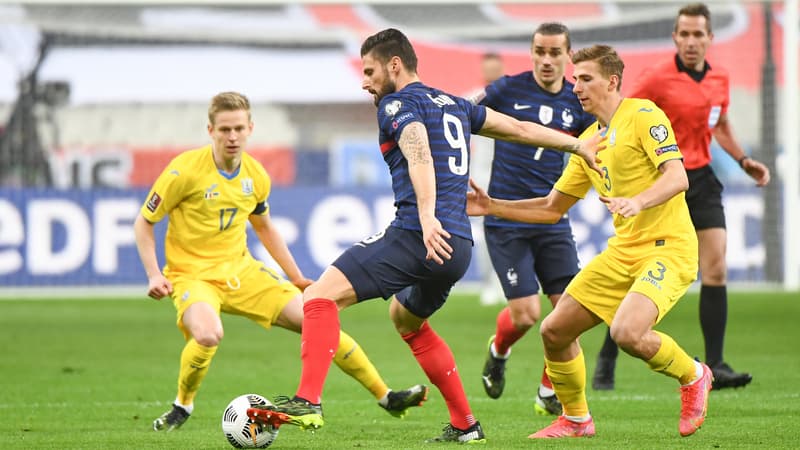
(520, 171)
(449, 121)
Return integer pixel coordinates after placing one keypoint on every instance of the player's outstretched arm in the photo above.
(158, 285)
(272, 240)
(547, 209)
(507, 128)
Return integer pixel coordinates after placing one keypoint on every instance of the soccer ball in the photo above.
(242, 432)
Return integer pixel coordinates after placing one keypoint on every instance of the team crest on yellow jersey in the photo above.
(247, 186)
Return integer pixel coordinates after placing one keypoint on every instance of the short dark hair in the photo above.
(491, 55)
(606, 57)
(386, 44)
(553, 29)
(695, 10)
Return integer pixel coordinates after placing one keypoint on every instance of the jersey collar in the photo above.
(693, 74)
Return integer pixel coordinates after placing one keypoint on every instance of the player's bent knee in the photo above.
(551, 337)
(209, 339)
(626, 338)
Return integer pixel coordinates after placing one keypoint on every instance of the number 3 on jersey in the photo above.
(454, 133)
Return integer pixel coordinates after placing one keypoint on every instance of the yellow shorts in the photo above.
(661, 274)
(256, 292)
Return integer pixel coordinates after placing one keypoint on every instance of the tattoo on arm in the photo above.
(414, 144)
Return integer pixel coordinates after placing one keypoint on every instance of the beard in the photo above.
(389, 87)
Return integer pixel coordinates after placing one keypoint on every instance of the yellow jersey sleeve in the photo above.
(167, 191)
(262, 189)
(575, 180)
(655, 134)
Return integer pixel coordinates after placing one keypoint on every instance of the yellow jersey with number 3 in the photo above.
(639, 139)
(208, 212)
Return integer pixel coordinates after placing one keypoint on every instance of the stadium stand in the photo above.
(139, 74)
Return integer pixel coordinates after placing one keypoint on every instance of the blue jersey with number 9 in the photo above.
(449, 121)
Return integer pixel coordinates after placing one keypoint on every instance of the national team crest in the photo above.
(393, 108)
(512, 277)
(247, 186)
(567, 118)
(659, 133)
(545, 114)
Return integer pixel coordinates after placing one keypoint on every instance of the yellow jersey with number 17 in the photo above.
(639, 140)
(208, 212)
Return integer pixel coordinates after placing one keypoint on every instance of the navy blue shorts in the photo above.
(525, 257)
(392, 262)
(704, 199)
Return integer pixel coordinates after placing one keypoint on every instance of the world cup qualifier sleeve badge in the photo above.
(659, 133)
(153, 202)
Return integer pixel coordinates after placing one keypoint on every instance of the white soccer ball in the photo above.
(242, 432)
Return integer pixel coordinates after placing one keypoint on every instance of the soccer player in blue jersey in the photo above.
(424, 137)
(524, 254)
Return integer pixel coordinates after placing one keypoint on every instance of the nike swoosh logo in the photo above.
(518, 107)
(487, 381)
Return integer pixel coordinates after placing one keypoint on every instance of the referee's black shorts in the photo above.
(704, 198)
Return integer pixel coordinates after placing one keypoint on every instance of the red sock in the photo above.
(545, 379)
(506, 334)
(436, 359)
(320, 339)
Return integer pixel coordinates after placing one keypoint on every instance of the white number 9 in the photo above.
(457, 142)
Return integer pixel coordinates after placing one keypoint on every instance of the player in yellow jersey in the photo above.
(210, 194)
(649, 263)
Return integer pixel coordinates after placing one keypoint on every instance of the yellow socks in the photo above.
(672, 361)
(570, 379)
(195, 361)
(354, 362)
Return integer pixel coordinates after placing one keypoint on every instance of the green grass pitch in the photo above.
(88, 374)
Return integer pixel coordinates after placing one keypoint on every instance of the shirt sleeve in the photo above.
(395, 113)
(167, 192)
(574, 181)
(477, 117)
(727, 90)
(656, 136)
(263, 189)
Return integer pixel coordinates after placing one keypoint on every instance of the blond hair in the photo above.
(227, 101)
(606, 57)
